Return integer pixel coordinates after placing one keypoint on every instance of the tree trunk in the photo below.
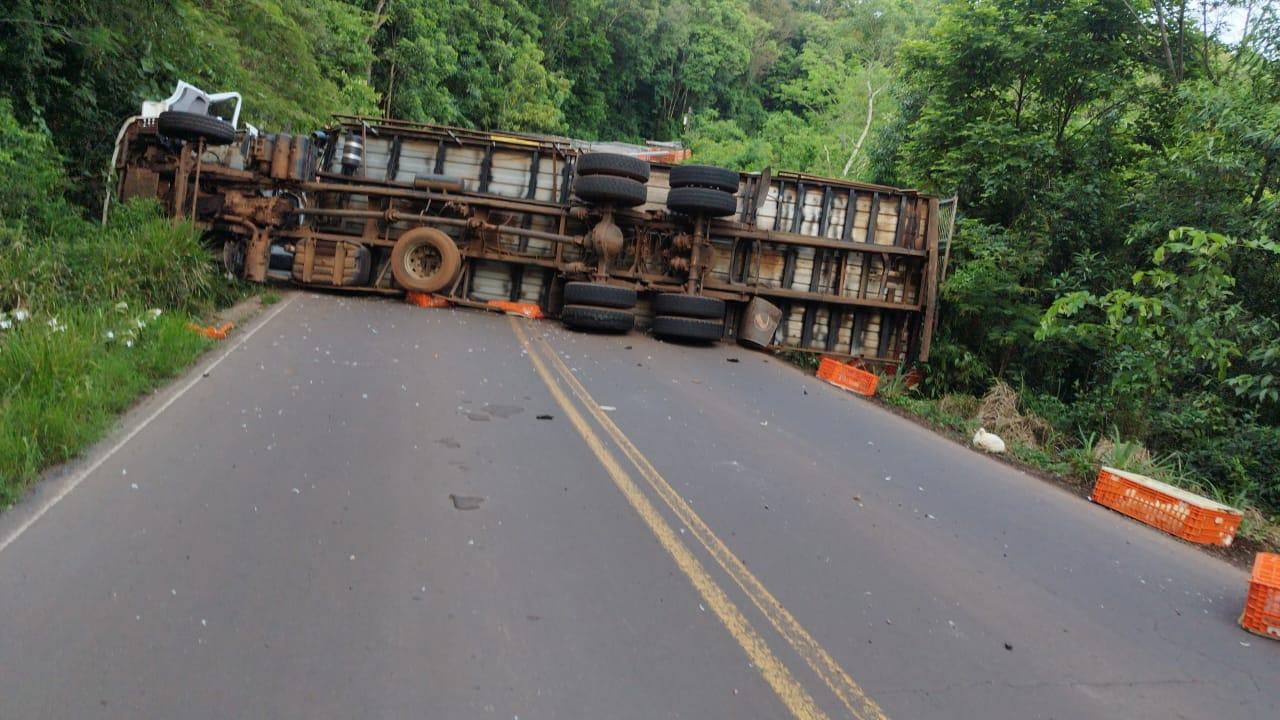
(1267, 168)
(1164, 41)
(866, 127)
(379, 18)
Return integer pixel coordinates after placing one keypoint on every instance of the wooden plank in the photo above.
(901, 222)
(797, 217)
(873, 219)
(931, 283)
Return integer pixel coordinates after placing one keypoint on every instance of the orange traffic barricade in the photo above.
(1262, 607)
(1171, 509)
(848, 377)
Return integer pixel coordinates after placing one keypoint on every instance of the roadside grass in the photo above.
(63, 389)
(1075, 460)
(91, 318)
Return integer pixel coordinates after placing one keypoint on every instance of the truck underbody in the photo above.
(844, 269)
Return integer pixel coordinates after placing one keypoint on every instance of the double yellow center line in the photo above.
(552, 370)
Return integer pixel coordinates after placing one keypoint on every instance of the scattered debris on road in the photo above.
(465, 502)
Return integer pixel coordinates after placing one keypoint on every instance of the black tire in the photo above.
(612, 164)
(623, 192)
(425, 260)
(683, 328)
(194, 126)
(587, 317)
(600, 295)
(690, 306)
(701, 201)
(705, 176)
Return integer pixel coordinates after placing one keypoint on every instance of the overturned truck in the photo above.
(603, 240)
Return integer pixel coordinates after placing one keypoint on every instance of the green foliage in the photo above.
(90, 317)
(80, 68)
(1076, 143)
(1180, 328)
(62, 390)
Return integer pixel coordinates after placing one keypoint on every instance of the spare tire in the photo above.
(682, 328)
(701, 201)
(195, 126)
(599, 294)
(587, 317)
(425, 260)
(691, 306)
(623, 192)
(705, 176)
(613, 164)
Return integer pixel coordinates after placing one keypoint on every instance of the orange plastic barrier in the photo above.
(1174, 510)
(848, 377)
(426, 300)
(529, 310)
(1262, 606)
(211, 332)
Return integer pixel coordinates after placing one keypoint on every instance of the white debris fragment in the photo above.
(21, 315)
(988, 441)
(296, 491)
(608, 408)
(133, 485)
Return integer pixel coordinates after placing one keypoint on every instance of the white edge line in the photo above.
(84, 472)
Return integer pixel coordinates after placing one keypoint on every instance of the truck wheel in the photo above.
(690, 306)
(623, 192)
(616, 165)
(425, 260)
(705, 176)
(682, 328)
(586, 317)
(194, 126)
(701, 201)
(599, 294)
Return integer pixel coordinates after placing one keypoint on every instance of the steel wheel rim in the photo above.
(423, 261)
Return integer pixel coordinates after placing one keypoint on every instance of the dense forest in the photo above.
(1117, 257)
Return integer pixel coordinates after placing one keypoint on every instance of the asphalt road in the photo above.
(358, 513)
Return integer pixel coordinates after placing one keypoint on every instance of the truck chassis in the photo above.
(844, 269)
